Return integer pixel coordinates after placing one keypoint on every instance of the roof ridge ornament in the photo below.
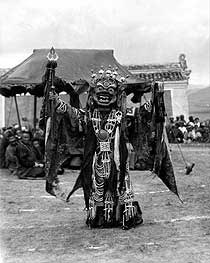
(183, 61)
(183, 65)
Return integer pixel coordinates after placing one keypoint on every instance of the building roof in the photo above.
(175, 71)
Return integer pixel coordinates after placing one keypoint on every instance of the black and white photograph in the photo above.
(105, 131)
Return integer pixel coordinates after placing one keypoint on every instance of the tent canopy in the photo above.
(73, 65)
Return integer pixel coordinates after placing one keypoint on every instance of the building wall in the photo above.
(179, 97)
(176, 100)
(168, 102)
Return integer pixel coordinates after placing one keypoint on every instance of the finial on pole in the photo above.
(52, 55)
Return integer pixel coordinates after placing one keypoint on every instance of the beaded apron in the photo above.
(107, 144)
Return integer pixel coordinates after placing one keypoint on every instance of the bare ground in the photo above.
(38, 228)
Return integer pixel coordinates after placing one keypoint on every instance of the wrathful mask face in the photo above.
(104, 92)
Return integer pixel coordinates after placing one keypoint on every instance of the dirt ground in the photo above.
(38, 228)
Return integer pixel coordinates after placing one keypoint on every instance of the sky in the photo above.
(139, 31)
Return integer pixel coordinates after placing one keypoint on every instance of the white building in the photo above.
(175, 77)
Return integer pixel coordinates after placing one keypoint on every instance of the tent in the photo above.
(73, 65)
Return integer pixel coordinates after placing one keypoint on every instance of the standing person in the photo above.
(104, 175)
(29, 166)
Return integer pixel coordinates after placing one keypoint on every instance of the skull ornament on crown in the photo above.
(105, 89)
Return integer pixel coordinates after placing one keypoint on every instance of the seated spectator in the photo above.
(4, 142)
(18, 133)
(191, 121)
(39, 134)
(204, 130)
(177, 134)
(29, 166)
(182, 119)
(169, 131)
(198, 136)
(183, 129)
(190, 133)
(2, 130)
(171, 120)
(177, 119)
(26, 124)
(38, 149)
(10, 155)
(197, 123)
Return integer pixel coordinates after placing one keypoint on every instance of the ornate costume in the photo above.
(104, 176)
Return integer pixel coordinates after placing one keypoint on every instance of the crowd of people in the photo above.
(22, 151)
(181, 131)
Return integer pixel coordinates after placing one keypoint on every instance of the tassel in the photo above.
(109, 204)
(129, 210)
(116, 148)
(129, 215)
(92, 208)
(47, 131)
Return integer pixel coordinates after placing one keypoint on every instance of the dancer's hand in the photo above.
(53, 96)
